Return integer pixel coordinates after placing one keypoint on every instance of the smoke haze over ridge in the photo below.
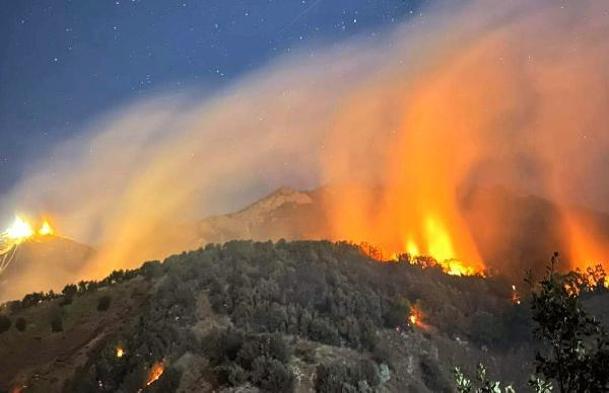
(510, 93)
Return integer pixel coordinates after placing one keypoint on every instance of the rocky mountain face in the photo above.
(286, 213)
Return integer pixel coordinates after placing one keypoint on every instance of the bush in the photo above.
(338, 377)
(21, 324)
(396, 313)
(5, 323)
(271, 375)
(56, 324)
(103, 303)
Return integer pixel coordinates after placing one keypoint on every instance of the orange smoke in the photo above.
(497, 110)
(403, 126)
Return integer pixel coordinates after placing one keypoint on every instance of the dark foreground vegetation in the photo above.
(297, 316)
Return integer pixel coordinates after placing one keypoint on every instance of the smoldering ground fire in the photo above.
(409, 126)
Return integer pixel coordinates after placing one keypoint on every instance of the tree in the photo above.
(575, 350)
(271, 375)
(103, 303)
(21, 324)
(5, 323)
(574, 353)
(396, 313)
(56, 324)
(481, 384)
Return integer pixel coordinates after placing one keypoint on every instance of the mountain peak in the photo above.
(276, 199)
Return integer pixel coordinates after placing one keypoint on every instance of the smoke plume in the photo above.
(465, 97)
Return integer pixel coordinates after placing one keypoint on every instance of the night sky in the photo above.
(64, 63)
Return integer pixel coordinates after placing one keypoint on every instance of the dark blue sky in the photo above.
(62, 63)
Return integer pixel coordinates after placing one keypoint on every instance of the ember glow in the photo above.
(155, 372)
(416, 318)
(19, 230)
(515, 295)
(120, 352)
(45, 229)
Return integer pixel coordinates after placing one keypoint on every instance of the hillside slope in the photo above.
(274, 317)
(41, 264)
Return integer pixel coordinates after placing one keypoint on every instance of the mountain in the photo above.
(276, 317)
(42, 263)
(514, 233)
(284, 214)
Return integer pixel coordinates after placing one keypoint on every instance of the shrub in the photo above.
(56, 324)
(5, 323)
(271, 375)
(21, 324)
(338, 377)
(103, 303)
(396, 313)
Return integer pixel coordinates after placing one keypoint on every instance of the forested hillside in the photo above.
(278, 317)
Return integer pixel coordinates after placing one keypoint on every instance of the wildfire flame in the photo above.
(416, 318)
(155, 373)
(515, 295)
(46, 229)
(120, 352)
(19, 230)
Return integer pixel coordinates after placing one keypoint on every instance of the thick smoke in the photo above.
(487, 93)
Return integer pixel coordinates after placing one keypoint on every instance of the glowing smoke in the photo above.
(511, 93)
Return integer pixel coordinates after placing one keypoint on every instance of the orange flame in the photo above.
(19, 230)
(46, 229)
(155, 373)
(515, 295)
(416, 318)
(120, 352)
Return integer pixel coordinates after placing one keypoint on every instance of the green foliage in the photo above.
(5, 323)
(56, 323)
(323, 292)
(481, 384)
(21, 324)
(103, 304)
(397, 313)
(271, 375)
(575, 351)
(432, 376)
(260, 359)
(338, 377)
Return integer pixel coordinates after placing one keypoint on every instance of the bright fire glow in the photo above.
(46, 229)
(19, 230)
(120, 352)
(413, 318)
(416, 318)
(515, 295)
(155, 372)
